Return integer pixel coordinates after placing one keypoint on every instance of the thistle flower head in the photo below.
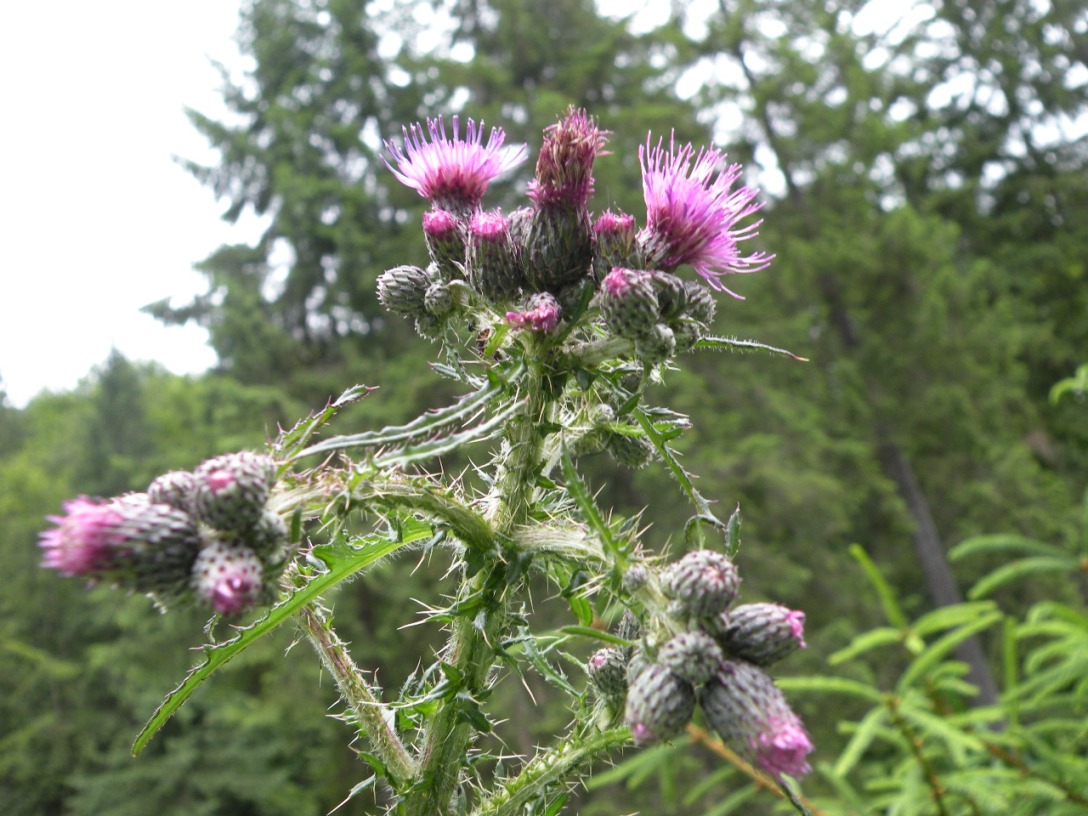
(452, 173)
(749, 712)
(692, 212)
(564, 169)
(541, 315)
(81, 541)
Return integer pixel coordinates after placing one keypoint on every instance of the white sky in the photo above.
(96, 219)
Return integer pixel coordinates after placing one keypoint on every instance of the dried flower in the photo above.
(692, 212)
(452, 173)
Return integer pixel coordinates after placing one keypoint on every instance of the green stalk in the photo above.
(471, 647)
(550, 769)
(365, 705)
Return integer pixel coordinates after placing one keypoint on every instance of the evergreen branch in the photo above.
(549, 769)
(365, 704)
(933, 781)
(340, 567)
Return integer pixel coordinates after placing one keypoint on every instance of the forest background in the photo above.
(925, 172)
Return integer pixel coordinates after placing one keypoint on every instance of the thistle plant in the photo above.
(553, 321)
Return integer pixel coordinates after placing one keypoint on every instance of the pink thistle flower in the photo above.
(749, 712)
(564, 169)
(83, 538)
(692, 212)
(542, 316)
(452, 173)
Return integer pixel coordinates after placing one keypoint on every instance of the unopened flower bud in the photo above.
(762, 633)
(231, 490)
(671, 295)
(703, 583)
(749, 712)
(629, 302)
(608, 672)
(692, 656)
(227, 576)
(629, 628)
(659, 705)
(656, 346)
(541, 315)
(403, 289)
(492, 261)
(130, 541)
(438, 299)
(445, 240)
(174, 488)
(636, 577)
(268, 537)
(615, 243)
(630, 451)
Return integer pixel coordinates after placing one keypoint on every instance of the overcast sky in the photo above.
(96, 218)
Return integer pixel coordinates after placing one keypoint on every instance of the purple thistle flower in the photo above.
(81, 542)
(692, 212)
(542, 314)
(452, 173)
(749, 712)
(564, 169)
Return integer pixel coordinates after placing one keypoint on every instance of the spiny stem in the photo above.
(549, 769)
(472, 644)
(361, 699)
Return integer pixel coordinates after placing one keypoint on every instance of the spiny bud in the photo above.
(130, 542)
(492, 261)
(659, 705)
(231, 490)
(703, 583)
(693, 656)
(630, 451)
(671, 294)
(762, 633)
(700, 302)
(628, 302)
(227, 576)
(749, 712)
(438, 299)
(174, 488)
(630, 627)
(558, 249)
(402, 289)
(445, 239)
(636, 577)
(268, 537)
(656, 346)
(541, 315)
(608, 672)
(615, 243)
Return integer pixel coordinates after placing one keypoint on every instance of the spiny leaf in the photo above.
(735, 344)
(341, 564)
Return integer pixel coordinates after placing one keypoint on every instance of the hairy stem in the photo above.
(473, 640)
(549, 770)
(365, 706)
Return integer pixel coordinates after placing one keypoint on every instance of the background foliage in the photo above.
(925, 176)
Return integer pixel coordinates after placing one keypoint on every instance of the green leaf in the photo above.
(734, 344)
(866, 641)
(888, 601)
(860, 741)
(831, 685)
(947, 617)
(933, 654)
(341, 561)
(1001, 544)
(1019, 569)
(587, 504)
